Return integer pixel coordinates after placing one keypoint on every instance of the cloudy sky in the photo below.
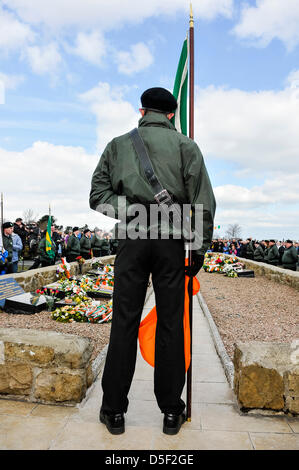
(71, 76)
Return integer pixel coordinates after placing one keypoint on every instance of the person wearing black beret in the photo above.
(273, 254)
(85, 244)
(179, 166)
(290, 256)
(73, 246)
(158, 100)
(7, 230)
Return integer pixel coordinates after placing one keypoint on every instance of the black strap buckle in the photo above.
(163, 197)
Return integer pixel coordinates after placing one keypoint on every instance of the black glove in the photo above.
(196, 264)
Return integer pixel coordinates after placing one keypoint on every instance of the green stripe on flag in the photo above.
(180, 91)
(49, 250)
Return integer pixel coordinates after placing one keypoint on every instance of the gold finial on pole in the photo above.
(191, 21)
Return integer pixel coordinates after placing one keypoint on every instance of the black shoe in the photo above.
(115, 423)
(172, 423)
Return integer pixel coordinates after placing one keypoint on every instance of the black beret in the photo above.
(75, 229)
(289, 241)
(7, 225)
(159, 99)
(272, 241)
(86, 230)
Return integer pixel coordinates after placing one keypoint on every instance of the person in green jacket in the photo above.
(258, 254)
(43, 255)
(105, 248)
(85, 244)
(273, 254)
(73, 248)
(290, 256)
(250, 249)
(266, 250)
(180, 168)
(7, 230)
(96, 243)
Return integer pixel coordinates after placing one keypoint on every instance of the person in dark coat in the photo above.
(43, 255)
(258, 254)
(290, 256)
(96, 243)
(281, 252)
(73, 248)
(6, 265)
(250, 249)
(85, 244)
(179, 166)
(273, 254)
(243, 249)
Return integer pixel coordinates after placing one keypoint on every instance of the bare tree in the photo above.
(29, 216)
(233, 231)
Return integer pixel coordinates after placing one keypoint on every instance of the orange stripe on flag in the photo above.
(147, 329)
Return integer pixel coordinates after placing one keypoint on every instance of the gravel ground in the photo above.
(252, 309)
(98, 334)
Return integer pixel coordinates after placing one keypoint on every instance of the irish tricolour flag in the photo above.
(49, 248)
(180, 91)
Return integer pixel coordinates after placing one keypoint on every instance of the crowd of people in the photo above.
(277, 253)
(29, 241)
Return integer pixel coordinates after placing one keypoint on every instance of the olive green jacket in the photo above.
(85, 246)
(177, 162)
(8, 246)
(73, 245)
(290, 257)
(100, 245)
(43, 255)
(273, 255)
(258, 254)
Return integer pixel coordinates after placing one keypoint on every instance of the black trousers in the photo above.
(134, 262)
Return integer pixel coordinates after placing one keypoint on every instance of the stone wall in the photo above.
(44, 367)
(37, 278)
(267, 376)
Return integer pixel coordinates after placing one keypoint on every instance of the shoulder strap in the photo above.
(161, 195)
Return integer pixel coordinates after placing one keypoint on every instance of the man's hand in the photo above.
(196, 264)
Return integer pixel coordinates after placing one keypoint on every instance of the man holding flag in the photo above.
(136, 166)
(47, 247)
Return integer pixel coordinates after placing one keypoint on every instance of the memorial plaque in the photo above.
(245, 273)
(25, 304)
(8, 288)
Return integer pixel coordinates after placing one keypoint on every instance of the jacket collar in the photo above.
(152, 119)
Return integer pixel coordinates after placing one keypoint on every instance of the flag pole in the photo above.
(191, 136)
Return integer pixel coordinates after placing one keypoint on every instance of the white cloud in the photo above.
(257, 131)
(45, 173)
(107, 15)
(13, 33)
(276, 190)
(11, 82)
(115, 116)
(293, 79)
(136, 60)
(44, 59)
(91, 47)
(268, 20)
